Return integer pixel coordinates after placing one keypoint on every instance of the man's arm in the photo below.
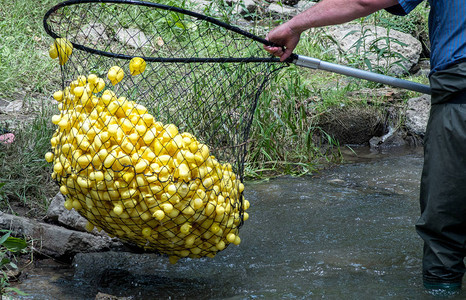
(326, 12)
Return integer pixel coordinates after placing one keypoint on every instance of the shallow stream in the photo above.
(347, 232)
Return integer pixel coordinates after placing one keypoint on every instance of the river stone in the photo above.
(244, 7)
(417, 114)
(92, 34)
(4, 103)
(12, 107)
(56, 241)
(132, 37)
(103, 296)
(281, 11)
(347, 37)
(57, 212)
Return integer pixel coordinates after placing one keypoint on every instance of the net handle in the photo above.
(314, 63)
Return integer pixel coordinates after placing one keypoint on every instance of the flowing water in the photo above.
(347, 232)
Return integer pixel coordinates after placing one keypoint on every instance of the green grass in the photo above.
(24, 171)
(24, 63)
(285, 137)
(27, 74)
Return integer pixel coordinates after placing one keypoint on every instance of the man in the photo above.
(442, 224)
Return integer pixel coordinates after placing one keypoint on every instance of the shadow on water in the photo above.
(345, 233)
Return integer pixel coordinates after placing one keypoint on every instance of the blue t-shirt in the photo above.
(447, 30)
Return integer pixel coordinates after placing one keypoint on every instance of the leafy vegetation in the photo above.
(9, 247)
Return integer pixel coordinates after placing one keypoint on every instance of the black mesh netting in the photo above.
(155, 112)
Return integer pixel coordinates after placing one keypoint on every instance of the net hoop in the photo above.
(198, 16)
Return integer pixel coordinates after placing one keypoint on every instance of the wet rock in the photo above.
(56, 241)
(417, 114)
(103, 267)
(394, 138)
(113, 277)
(103, 296)
(337, 182)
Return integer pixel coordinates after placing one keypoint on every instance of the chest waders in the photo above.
(442, 224)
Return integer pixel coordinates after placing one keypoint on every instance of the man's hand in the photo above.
(284, 36)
